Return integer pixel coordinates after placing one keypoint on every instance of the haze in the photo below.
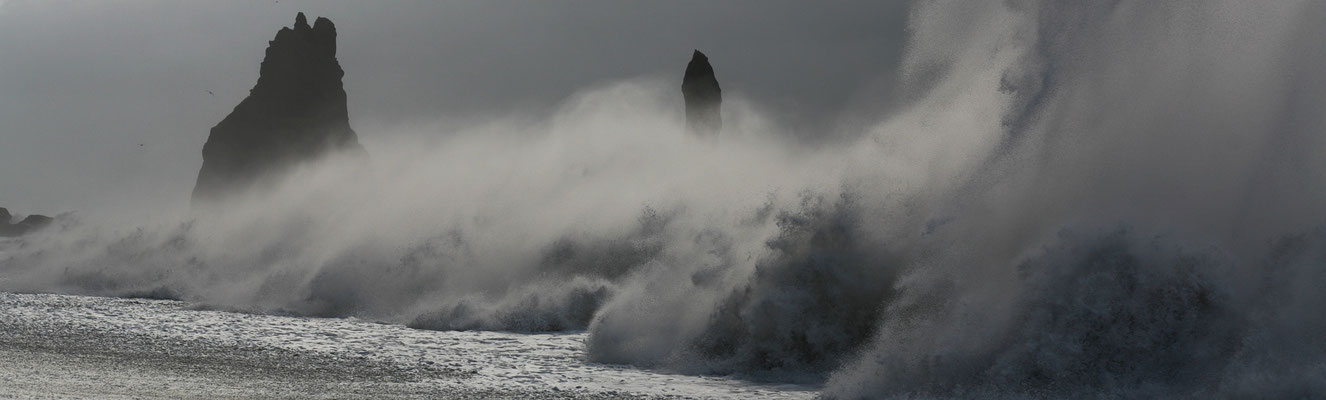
(107, 102)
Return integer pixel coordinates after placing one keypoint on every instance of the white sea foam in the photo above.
(1121, 197)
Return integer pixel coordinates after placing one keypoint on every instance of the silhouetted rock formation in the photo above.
(295, 113)
(703, 96)
(30, 223)
(36, 221)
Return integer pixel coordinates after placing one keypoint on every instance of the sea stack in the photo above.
(295, 113)
(703, 97)
(31, 223)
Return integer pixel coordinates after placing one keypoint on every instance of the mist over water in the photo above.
(1121, 198)
(1149, 181)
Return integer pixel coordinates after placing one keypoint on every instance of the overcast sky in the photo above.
(84, 83)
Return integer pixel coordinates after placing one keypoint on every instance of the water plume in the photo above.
(1115, 198)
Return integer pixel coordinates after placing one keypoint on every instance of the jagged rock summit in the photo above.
(28, 224)
(699, 88)
(295, 113)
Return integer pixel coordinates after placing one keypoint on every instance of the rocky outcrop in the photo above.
(703, 97)
(30, 223)
(295, 113)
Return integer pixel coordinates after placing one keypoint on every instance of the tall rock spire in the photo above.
(295, 113)
(703, 97)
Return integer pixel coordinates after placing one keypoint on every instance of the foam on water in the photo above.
(249, 355)
(1120, 198)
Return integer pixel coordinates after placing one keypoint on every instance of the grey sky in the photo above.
(83, 84)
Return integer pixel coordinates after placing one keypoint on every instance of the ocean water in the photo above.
(1072, 199)
(62, 346)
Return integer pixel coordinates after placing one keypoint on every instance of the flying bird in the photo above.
(210, 92)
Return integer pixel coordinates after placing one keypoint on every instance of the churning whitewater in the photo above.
(1120, 199)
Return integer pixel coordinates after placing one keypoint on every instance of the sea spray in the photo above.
(1119, 199)
(505, 227)
(1112, 244)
